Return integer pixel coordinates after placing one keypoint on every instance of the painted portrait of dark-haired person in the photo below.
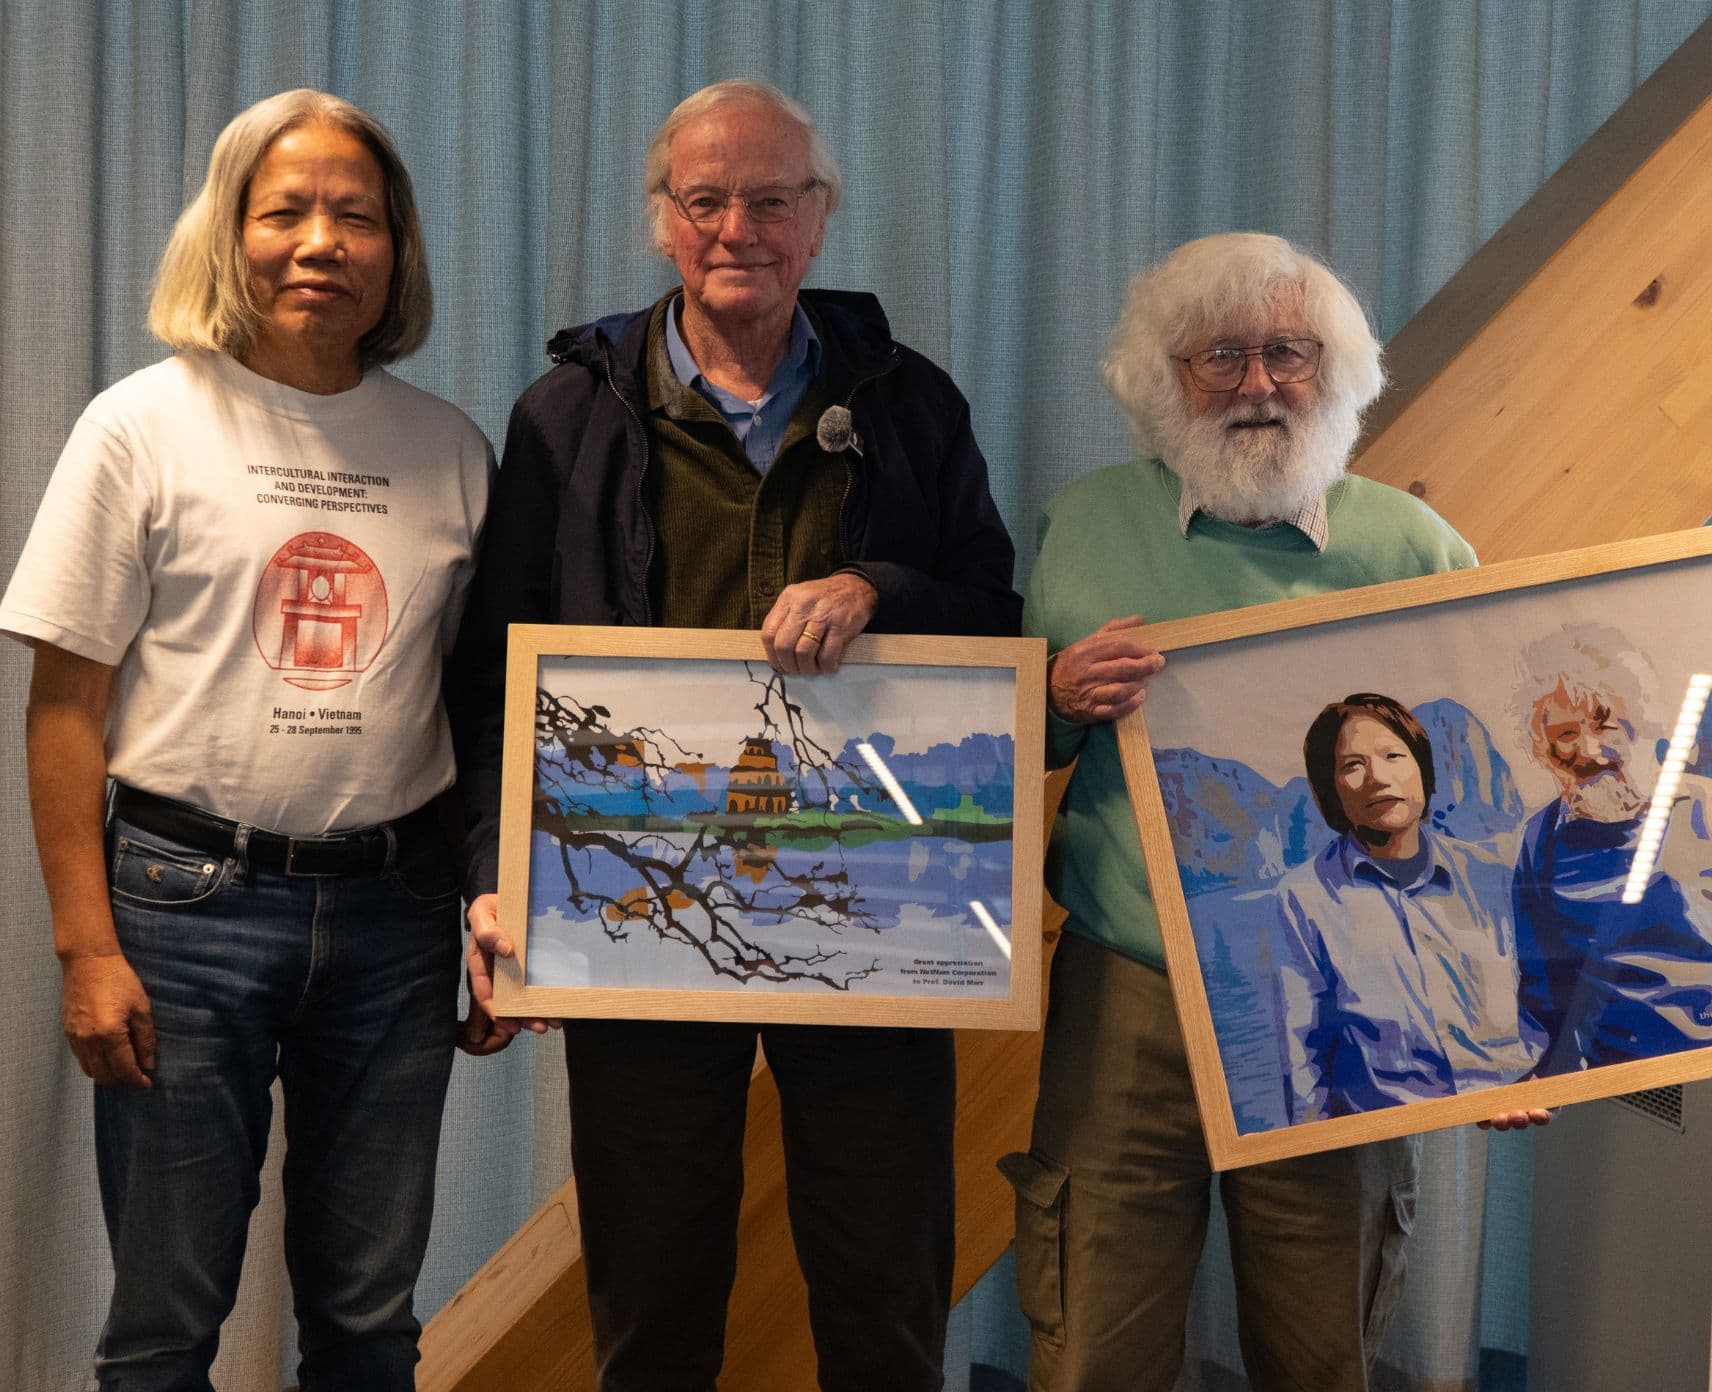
(1396, 967)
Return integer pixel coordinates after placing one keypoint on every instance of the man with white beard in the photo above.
(1243, 366)
(1607, 980)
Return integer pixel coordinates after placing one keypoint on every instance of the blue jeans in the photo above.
(346, 988)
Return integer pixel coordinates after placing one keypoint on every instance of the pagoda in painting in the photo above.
(755, 787)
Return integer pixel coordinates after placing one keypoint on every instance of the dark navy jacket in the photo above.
(569, 540)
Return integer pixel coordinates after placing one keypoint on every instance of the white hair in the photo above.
(656, 168)
(1171, 309)
(1585, 666)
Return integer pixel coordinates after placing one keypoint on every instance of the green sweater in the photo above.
(1109, 546)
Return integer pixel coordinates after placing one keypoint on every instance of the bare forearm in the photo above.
(103, 1008)
(67, 781)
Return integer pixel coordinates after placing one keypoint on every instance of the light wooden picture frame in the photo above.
(686, 834)
(1560, 704)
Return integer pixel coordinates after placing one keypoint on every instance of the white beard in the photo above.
(1609, 797)
(1259, 475)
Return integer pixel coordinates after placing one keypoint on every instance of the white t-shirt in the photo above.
(277, 577)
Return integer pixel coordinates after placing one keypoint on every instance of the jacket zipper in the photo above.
(642, 474)
(849, 468)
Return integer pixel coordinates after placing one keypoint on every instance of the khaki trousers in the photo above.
(1112, 1210)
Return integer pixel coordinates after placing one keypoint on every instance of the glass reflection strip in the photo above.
(996, 933)
(894, 789)
(1682, 740)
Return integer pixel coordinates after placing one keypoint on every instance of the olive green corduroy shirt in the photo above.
(727, 539)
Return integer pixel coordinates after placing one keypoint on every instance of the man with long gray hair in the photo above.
(1243, 365)
(254, 661)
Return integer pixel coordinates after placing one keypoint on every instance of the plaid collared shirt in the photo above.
(1310, 519)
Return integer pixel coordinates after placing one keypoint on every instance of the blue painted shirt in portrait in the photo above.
(1611, 982)
(1390, 992)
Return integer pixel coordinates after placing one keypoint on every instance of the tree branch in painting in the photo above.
(577, 754)
(706, 879)
(782, 722)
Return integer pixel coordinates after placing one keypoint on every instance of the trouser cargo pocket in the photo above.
(1040, 1190)
(1398, 1222)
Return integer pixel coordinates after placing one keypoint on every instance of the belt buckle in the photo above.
(307, 843)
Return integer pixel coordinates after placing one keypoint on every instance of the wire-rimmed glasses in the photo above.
(768, 203)
(1284, 360)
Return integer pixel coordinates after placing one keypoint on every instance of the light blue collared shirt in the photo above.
(1394, 992)
(759, 425)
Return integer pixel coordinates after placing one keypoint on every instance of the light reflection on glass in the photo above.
(1670, 778)
(894, 789)
(996, 933)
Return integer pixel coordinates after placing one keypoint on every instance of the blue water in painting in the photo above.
(1234, 939)
(917, 893)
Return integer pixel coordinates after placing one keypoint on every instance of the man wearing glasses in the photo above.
(743, 454)
(1243, 366)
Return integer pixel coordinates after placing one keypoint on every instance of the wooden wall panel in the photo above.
(1557, 392)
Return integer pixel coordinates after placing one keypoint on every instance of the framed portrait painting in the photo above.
(688, 834)
(1430, 851)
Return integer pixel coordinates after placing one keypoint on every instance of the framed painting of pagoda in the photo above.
(688, 834)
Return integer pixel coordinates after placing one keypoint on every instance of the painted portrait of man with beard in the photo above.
(1608, 976)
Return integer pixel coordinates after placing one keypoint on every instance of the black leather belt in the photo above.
(338, 853)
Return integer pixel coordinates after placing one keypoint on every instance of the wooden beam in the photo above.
(522, 1319)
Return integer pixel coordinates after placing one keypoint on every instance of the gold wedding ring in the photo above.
(812, 637)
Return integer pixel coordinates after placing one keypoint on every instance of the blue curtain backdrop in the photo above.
(1009, 164)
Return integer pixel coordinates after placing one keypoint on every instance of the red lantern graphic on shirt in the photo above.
(320, 613)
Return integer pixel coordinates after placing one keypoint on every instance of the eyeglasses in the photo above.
(769, 203)
(1284, 360)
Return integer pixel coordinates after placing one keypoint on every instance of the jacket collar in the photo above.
(854, 332)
